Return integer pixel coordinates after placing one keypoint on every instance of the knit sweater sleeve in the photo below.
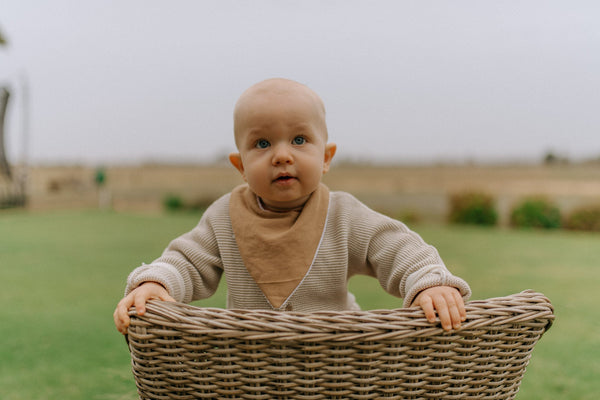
(190, 268)
(398, 257)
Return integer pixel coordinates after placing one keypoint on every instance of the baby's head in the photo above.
(281, 137)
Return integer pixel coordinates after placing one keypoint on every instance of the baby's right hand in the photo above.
(138, 298)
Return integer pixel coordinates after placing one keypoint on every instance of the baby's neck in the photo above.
(264, 207)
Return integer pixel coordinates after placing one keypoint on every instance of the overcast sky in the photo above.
(406, 81)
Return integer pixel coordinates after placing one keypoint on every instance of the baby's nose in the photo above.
(282, 155)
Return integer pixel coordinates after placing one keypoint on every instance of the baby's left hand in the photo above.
(448, 303)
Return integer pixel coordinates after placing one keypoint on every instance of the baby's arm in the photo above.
(189, 269)
(448, 303)
(404, 264)
(408, 267)
(138, 298)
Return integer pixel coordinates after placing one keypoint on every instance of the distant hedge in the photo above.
(536, 213)
(473, 208)
(584, 219)
(175, 202)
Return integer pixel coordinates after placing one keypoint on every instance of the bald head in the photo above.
(277, 92)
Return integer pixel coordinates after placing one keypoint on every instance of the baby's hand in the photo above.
(448, 303)
(138, 298)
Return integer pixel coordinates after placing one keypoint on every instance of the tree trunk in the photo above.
(4, 166)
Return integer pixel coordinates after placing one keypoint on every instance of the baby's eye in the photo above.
(299, 140)
(262, 144)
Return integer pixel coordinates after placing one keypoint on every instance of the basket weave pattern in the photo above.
(186, 352)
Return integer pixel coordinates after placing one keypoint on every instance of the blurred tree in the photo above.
(551, 158)
(4, 95)
(4, 166)
(2, 40)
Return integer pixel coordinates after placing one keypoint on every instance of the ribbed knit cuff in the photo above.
(163, 273)
(432, 276)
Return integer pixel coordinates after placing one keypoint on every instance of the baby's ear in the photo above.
(330, 149)
(236, 160)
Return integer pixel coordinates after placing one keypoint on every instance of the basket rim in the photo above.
(526, 307)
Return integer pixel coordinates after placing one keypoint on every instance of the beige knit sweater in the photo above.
(356, 240)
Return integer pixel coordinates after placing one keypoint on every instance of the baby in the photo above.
(283, 241)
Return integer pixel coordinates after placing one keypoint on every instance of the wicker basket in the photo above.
(185, 352)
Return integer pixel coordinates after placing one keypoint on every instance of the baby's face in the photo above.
(282, 147)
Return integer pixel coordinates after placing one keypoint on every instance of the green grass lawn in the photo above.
(62, 274)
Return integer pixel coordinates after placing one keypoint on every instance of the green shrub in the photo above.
(173, 202)
(474, 208)
(100, 177)
(584, 219)
(536, 213)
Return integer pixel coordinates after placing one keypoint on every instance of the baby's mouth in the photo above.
(284, 178)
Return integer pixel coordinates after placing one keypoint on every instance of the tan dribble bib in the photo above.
(278, 248)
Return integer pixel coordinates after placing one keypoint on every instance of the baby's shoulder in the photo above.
(217, 212)
(218, 206)
(346, 205)
(342, 198)
(221, 204)
(350, 209)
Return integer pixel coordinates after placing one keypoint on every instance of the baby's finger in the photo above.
(454, 312)
(426, 304)
(460, 303)
(442, 310)
(123, 325)
(140, 305)
(121, 317)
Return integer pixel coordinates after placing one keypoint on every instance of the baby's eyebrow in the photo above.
(255, 133)
(303, 128)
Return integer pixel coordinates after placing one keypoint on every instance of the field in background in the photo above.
(62, 273)
(421, 192)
